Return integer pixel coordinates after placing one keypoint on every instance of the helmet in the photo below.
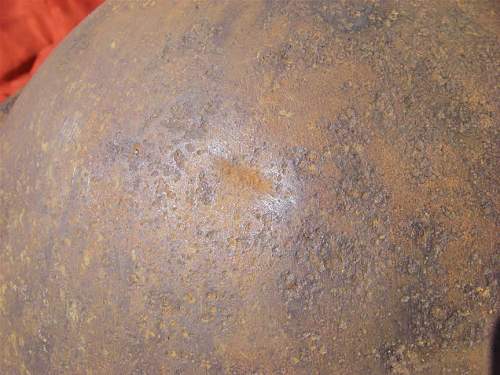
(255, 187)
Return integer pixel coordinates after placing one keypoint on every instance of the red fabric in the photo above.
(29, 30)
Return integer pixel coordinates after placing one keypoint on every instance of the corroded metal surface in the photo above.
(255, 187)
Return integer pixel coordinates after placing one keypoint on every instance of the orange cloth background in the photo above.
(29, 30)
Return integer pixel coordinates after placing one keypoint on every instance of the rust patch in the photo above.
(242, 178)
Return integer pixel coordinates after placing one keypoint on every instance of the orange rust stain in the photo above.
(243, 178)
